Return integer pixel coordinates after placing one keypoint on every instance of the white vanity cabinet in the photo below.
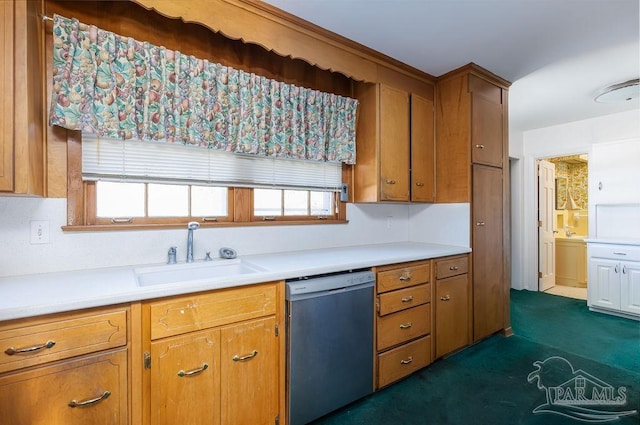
(614, 278)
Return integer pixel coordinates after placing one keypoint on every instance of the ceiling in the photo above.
(559, 54)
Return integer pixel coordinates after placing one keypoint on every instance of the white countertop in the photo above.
(32, 295)
(614, 241)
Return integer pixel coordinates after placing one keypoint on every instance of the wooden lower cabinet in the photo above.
(403, 320)
(225, 366)
(89, 390)
(452, 305)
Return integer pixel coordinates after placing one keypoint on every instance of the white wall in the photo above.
(368, 223)
(570, 138)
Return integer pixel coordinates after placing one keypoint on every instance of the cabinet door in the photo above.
(487, 139)
(6, 103)
(422, 150)
(488, 252)
(614, 173)
(394, 144)
(185, 379)
(604, 283)
(90, 390)
(249, 373)
(630, 287)
(452, 314)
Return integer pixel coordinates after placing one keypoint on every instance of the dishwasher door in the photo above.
(330, 350)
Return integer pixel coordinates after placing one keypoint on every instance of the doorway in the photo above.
(563, 225)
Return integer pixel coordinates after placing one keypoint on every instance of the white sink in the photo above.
(187, 272)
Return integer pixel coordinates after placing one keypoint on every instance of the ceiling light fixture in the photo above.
(621, 92)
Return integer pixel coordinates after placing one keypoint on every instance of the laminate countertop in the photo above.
(37, 294)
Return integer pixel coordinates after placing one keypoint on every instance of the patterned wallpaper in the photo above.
(576, 174)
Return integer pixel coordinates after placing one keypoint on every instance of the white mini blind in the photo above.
(150, 162)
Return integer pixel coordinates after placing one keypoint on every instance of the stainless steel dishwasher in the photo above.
(329, 343)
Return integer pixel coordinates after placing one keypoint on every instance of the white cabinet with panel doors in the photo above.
(614, 279)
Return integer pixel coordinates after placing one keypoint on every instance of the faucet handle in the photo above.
(171, 255)
(208, 256)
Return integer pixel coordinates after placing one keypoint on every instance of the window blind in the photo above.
(160, 162)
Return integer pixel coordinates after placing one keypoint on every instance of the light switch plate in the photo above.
(39, 233)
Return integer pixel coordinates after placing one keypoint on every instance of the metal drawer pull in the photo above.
(182, 373)
(407, 299)
(620, 253)
(419, 184)
(11, 351)
(389, 181)
(91, 402)
(406, 326)
(237, 358)
(409, 360)
(445, 298)
(480, 223)
(453, 268)
(405, 276)
(480, 146)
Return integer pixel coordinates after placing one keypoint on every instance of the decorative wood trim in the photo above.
(75, 188)
(478, 71)
(276, 30)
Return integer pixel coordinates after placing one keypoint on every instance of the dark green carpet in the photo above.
(487, 383)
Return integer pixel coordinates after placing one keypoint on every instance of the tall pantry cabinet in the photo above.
(472, 166)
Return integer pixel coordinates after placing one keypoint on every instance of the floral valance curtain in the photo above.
(117, 87)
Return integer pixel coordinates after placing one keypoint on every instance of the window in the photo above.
(127, 204)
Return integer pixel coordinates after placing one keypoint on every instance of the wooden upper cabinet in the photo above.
(471, 123)
(22, 107)
(395, 146)
(486, 122)
(422, 149)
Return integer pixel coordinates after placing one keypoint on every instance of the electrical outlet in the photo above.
(39, 233)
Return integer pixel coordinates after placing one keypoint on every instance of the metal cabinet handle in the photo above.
(615, 269)
(182, 373)
(406, 326)
(453, 268)
(419, 184)
(407, 299)
(480, 223)
(445, 298)
(624, 269)
(409, 360)
(620, 253)
(237, 358)
(389, 181)
(599, 185)
(11, 351)
(405, 276)
(480, 146)
(91, 402)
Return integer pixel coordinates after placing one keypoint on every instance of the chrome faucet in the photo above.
(193, 225)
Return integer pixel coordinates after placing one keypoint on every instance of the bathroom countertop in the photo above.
(33, 295)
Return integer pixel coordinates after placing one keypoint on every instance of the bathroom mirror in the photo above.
(561, 193)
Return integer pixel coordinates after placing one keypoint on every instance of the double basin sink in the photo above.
(189, 272)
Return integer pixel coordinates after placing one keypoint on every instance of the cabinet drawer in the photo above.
(404, 360)
(403, 326)
(402, 299)
(452, 267)
(206, 310)
(38, 341)
(402, 277)
(42, 395)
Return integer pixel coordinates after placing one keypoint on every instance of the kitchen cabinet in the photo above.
(614, 173)
(452, 305)
(215, 357)
(614, 279)
(472, 167)
(69, 368)
(403, 320)
(22, 145)
(395, 138)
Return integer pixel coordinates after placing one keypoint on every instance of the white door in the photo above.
(630, 287)
(604, 283)
(546, 225)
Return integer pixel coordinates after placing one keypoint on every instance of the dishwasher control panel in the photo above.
(328, 282)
